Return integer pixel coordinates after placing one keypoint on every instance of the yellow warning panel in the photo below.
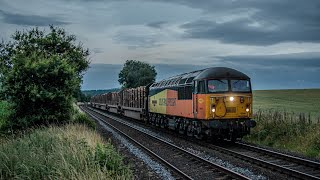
(157, 102)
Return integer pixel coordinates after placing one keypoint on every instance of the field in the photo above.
(295, 100)
(68, 152)
(287, 120)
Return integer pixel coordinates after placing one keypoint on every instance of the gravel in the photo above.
(244, 171)
(156, 167)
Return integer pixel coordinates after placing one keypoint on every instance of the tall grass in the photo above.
(4, 112)
(298, 132)
(81, 118)
(69, 152)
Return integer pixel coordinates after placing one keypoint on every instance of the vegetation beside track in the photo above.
(69, 152)
(5, 112)
(288, 120)
(42, 135)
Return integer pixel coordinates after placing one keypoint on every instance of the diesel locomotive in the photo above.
(213, 103)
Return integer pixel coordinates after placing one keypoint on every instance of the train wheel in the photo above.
(198, 131)
(164, 123)
(153, 120)
(190, 130)
(233, 137)
(182, 129)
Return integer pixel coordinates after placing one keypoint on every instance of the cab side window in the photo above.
(195, 87)
(201, 87)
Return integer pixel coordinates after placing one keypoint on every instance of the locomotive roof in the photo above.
(221, 72)
(208, 73)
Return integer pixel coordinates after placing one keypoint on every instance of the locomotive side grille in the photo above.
(231, 109)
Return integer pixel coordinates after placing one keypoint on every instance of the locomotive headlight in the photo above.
(247, 109)
(231, 98)
(213, 109)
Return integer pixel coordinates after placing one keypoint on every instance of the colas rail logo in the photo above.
(167, 101)
(154, 102)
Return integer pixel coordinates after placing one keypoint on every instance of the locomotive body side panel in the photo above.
(166, 102)
(176, 107)
(155, 106)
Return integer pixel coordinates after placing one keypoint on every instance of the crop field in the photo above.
(292, 101)
(287, 120)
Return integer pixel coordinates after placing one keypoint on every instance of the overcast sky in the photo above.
(276, 42)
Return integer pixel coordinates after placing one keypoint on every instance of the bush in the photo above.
(40, 73)
(70, 152)
(82, 118)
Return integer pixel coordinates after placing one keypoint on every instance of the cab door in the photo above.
(195, 99)
(200, 100)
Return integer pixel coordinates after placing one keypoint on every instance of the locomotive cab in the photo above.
(222, 99)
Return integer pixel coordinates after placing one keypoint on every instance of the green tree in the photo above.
(40, 75)
(136, 73)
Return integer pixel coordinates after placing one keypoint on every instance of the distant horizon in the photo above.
(252, 89)
(265, 72)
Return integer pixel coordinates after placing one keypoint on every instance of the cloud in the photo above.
(30, 20)
(254, 22)
(251, 32)
(136, 41)
(157, 24)
(97, 50)
(137, 37)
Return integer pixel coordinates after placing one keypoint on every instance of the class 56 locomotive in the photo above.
(214, 103)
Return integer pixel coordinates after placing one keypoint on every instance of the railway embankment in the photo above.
(71, 151)
(288, 120)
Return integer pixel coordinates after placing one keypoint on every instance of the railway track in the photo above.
(184, 164)
(292, 166)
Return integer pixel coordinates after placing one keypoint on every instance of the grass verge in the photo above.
(82, 118)
(286, 131)
(68, 152)
(287, 120)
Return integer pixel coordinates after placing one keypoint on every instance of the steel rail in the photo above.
(264, 163)
(291, 158)
(150, 152)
